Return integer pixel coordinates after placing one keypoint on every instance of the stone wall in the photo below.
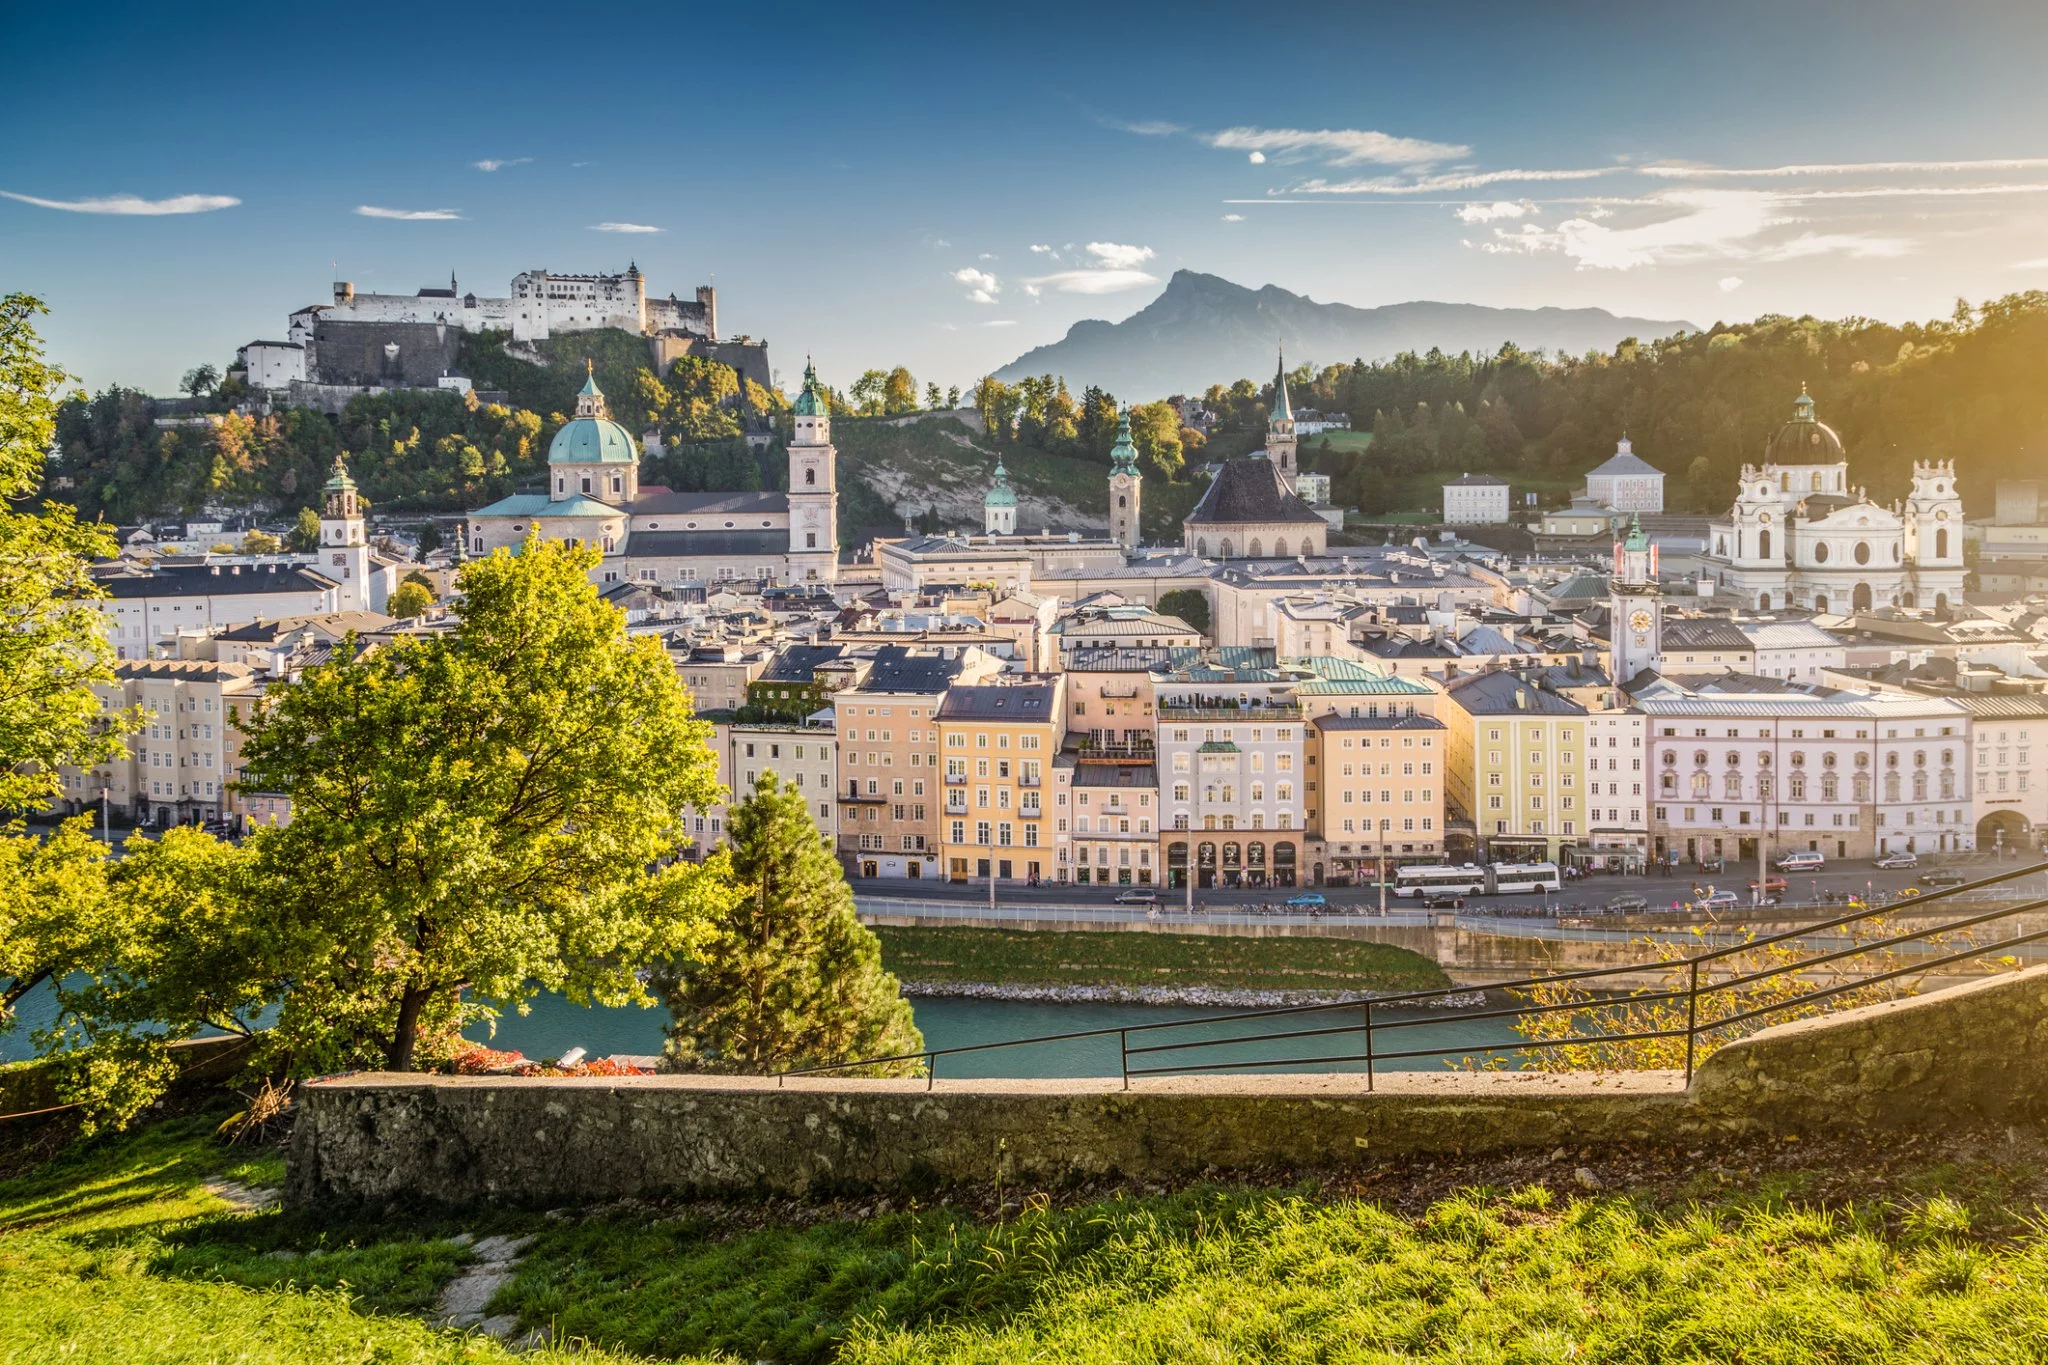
(1939, 1062)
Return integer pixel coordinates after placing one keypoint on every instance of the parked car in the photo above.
(1898, 860)
(1943, 876)
(1313, 900)
(1710, 864)
(1770, 884)
(1137, 896)
(1626, 905)
(1442, 900)
(1717, 900)
(1802, 860)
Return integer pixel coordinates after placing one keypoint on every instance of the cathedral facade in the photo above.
(1801, 535)
(652, 535)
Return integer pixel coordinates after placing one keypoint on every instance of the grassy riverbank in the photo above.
(130, 1250)
(1227, 961)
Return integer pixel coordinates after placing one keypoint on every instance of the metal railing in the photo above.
(1382, 1015)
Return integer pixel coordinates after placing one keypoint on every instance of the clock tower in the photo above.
(1636, 630)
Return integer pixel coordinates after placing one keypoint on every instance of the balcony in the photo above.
(956, 779)
(1030, 812)
(1030, 780)
(1141, 750)
(1271, 713)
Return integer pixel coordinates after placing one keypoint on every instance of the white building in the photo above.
(1626, 482)
(1231, 753)
(1476, 500)
(272, 364)
(999, 504)
(539, 305)
(1799, 535)
(146, 612)
(1795, 650)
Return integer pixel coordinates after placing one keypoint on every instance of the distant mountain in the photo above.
(1205, 330)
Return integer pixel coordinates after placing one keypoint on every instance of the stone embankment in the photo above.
(1955, 1059)
(1213, 997)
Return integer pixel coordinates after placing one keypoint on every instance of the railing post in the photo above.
(931, 1069)
(1368, 1046)
(1692, 1014)
(1123, 1044)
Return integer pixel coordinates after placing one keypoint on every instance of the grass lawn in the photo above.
(1025, 958)
(1769, 1253)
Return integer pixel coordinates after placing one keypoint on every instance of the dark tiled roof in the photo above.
(1476, 481)
(203, 581)
(709, 504)
(1250, 490)
(706, 544)
(1115, 775)
(898, 670)
(1705, 634)
(1022, 702)
(1108, 659)
(799, 663)
(1501, 693)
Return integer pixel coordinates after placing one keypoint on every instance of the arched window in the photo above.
(1830, 787)
(1860, 598)
(1920, 786)
(1941, 544)
(1798, 786)
(1816, 483)
(1763, 601)
(1763, 544)
(1702, 785)
(1225, 549)
(1280, 548)
(1120, 500)
(1862, 786)
(1252, 550)
(1820, 601)
(1941, 601)
(1202, 547)
(1669, 785)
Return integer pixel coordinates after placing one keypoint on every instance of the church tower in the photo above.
(999, 508)
(1125, 486)
(1280, 428)
(1635, 629)
(1934, 534)
(345, 542)
(813, 487)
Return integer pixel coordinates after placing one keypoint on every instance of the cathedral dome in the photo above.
(1804, 440)
(591, 436)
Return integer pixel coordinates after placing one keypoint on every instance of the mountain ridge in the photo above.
(1204, 329)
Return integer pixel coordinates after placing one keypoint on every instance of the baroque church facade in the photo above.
(1251, 509)
(654, 535)
(1800, 535)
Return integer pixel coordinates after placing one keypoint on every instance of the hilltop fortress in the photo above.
(361, 342)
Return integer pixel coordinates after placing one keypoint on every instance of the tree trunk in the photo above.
(398, 1057)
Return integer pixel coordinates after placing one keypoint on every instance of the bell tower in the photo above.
(1934, 535)
(1280, 441)
(345, 542)
(1125, 486)
(813, 486)
(1635, 629)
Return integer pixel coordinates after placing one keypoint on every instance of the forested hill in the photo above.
(1966, 388)
(1204, 330)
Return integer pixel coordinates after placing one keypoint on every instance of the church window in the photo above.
(810, 476)
(618, 484)
(1763, 544)
(810, 540)
(1820, 553)
(1202, 547)
(1763, 601)
(1941, 544)
(1121, 500)
(561, 484)
(1816, 483)
(586, 483)
(1226, 547)
(1253, 548)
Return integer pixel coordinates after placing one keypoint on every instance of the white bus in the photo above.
(1519, 879)
(1468, 880)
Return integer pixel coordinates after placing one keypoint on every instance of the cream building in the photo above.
(999, 738)
(184, 750)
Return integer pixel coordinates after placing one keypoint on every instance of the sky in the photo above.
(946, 186)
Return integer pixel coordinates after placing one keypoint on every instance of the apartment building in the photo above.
(718, 676)
(802, 754)
(889, 792)
(2011, 793)
(1617, 828)
(1516, 756)
(1378, 793)
(185, 748)
(1232, 744)
(999, 738)
(1106, 811)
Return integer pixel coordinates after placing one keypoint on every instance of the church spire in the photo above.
(1123, 456)
(1283, 406)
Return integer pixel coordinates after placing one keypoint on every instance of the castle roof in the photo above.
(1250, 491)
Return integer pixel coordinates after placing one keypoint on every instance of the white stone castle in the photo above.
(1799, 535)
(652, 535)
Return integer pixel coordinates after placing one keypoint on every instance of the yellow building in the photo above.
(997, 741)
(1378, 793)
(1515, 756)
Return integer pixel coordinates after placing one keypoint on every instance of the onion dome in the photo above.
(1804, 439)
(811, 401)
(1123, 456)
(1000, 494)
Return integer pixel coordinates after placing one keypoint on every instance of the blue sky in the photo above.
(946, 186)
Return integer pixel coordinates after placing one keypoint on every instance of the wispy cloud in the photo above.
(499, 164)
(2038, 263)
(129, 206)
(1338, 146)
(1679, 171)
(1440, 184)
(409, 215)
(982, 287)
(625, 227)
(1495, 212)
(1118, 256)
(1151, 127)
(1728, 284)
(1093, 281)
(1233, 218)
(1701, 225)
(999, 322)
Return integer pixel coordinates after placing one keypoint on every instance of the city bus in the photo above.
(1501, 879)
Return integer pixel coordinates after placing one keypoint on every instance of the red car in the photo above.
(1771, 885)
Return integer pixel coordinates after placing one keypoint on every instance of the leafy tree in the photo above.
(1189, 605)
(475, 815)
(428, 540)
(408, 600)
(953, 397)
(789, 976)
(899, 392)
(305, 532)
(199, 379)
(933, 398)
(868, 393)
(53, 904)
(53, 646)
(261, 543)
(1155, 431)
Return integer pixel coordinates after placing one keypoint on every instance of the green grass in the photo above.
(1340, 442)
(1026, 958)
(118, 1253)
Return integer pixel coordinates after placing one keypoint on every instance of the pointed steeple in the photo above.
(1123, 456)
(811, 400)
(590, 398)
(1283, 407)
(1636, 539)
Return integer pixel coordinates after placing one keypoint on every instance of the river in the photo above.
(553, 1025)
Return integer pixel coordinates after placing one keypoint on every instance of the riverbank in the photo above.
(1213, 997)
(1200, 969)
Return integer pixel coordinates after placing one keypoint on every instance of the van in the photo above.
(1802, 860)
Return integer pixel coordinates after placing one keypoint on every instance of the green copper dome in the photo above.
(1000, 494)
(1123, 456)
(811, 400)
(591, 436)
(339, 481)
(1636, 539)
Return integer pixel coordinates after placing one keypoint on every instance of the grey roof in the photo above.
(1377, 723)
(1503, 694)
(1476, 481)
(1106, 659)
(799, 663)
(898, 670)
(1250, 490)
(1705, 634)
(1115, 775)
(708, 504)
(1022, 702)
(1624, 466)
(706, 544)
(206, 580)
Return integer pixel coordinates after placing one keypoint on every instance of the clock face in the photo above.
(1639, 622)
(1942, 515)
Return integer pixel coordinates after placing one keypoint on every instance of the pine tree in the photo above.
(789, 977)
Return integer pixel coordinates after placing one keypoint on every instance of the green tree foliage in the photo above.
(789, 976)
(52, 645)
(700, 401)
(899, 392)
(409, 599)
(720, 466)
(1189, 605)
(199, 379)
(474, 817)
(305, 532)
(53, 909)
(1155, 431)
(261, 543)
(934, 398)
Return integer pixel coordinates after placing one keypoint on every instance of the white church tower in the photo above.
(1125, 486)
(1280, 441)
(999, 507)
(345, 542)
(1635, 630)
(1934, 535)
(813, 487)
